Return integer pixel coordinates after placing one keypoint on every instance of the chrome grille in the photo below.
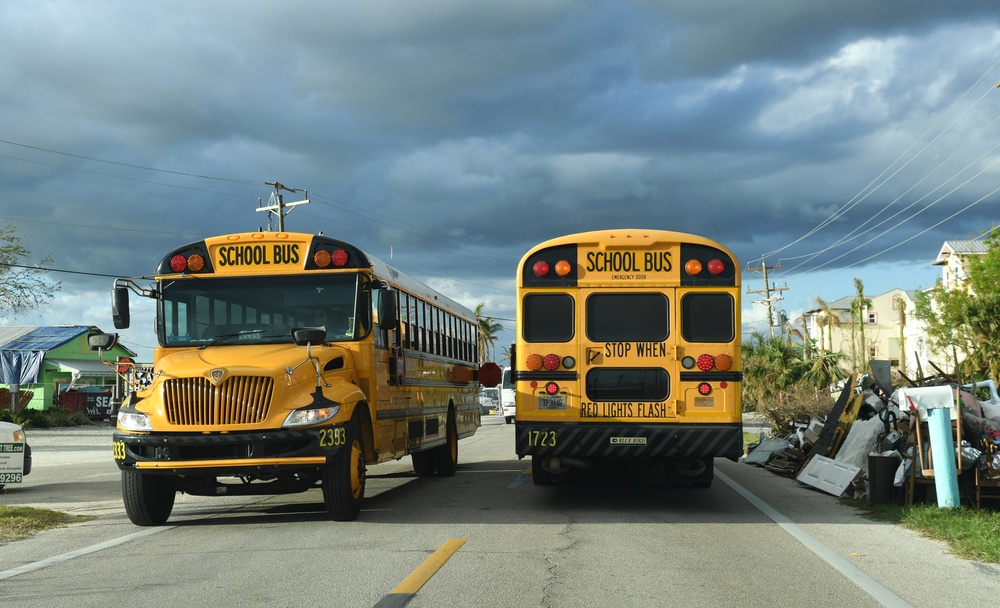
(199, 402)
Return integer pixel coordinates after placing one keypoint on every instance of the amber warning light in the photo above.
(541, 268)
(694, 267)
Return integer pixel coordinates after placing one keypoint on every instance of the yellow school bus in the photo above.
(628, 349)
(288, 361)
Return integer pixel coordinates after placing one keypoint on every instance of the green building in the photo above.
(41, 364)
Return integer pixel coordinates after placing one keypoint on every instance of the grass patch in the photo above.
(970, 534)
(21, 522)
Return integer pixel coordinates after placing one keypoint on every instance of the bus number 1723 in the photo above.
(545, 439)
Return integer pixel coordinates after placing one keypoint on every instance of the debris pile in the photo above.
(869, 446)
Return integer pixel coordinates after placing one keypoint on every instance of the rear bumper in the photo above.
(598, 441)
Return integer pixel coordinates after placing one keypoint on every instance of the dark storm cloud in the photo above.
(454, 135)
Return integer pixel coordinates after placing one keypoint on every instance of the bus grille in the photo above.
(237, 400)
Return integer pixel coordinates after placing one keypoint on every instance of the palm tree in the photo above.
(858, 307)
(488, 329)
(828, 321)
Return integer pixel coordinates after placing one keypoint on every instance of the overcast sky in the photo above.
(837, 140)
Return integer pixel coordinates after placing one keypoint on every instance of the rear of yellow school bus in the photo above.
(279, 368)
(628, 350)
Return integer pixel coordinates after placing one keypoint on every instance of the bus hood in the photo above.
(258, 360)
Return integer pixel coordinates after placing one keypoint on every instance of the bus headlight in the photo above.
(310, 416)
(131, 420)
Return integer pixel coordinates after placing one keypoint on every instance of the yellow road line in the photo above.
(429, 568)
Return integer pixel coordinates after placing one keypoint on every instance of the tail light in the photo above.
(338, 258)
(552, 388)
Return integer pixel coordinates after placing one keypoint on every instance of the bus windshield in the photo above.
(262, 310)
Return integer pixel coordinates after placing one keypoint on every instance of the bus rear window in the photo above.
(708, 317)
(628, 317)
(548, 317)
(627, 384)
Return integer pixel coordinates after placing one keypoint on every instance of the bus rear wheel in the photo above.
(423, 463)
(148, 499)
(539, 476)
(695, 472)
(344, 477)
(446, 456)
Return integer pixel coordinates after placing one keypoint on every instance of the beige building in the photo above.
(952, 260)
(891, 328)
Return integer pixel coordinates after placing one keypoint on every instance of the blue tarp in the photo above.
(20, 366)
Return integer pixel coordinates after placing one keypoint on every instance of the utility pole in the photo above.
(768, 300)
(277, 204)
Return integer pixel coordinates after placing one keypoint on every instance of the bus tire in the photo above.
(344, 477)
(508, 419)
(446, 456)
(148, 499)
(423, 463)
(539, 476)
(694, 472)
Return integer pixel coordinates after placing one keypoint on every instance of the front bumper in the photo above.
(247, 453)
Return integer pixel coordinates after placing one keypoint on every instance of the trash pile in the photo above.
(876, 442)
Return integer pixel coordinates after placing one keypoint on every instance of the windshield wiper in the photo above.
(224, 337)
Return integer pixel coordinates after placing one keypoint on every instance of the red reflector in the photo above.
(551, 362)
(692, 267)
(552, 388)
(706, 362)
(339, 258)
(715, 267)
(322, 258)
(178, 263)
(704, 388)
(541, 268)
(723, 384)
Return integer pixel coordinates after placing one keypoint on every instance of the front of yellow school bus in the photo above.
(263, 374)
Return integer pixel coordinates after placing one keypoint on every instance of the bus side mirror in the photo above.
(101, 342)
(119, 307)
(388, 309)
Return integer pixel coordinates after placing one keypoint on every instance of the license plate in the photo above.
(552, 402)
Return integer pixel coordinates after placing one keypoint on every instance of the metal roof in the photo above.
(40, 338)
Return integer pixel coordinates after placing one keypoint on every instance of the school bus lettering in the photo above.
(612, 261)
(617, 349)
(629, 261)
(589, 409)
(119, 447)
(641, 349)
(259, 255)
(545, 439)
(651, 349)
(333, 437)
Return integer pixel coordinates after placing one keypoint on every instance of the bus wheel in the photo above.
(423, 463)
(508, 419)
(446, 456)
(696, 472)
(344, 477)
(539, 476)
(149, 499)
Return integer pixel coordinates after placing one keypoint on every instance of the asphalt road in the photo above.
(619, 538)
